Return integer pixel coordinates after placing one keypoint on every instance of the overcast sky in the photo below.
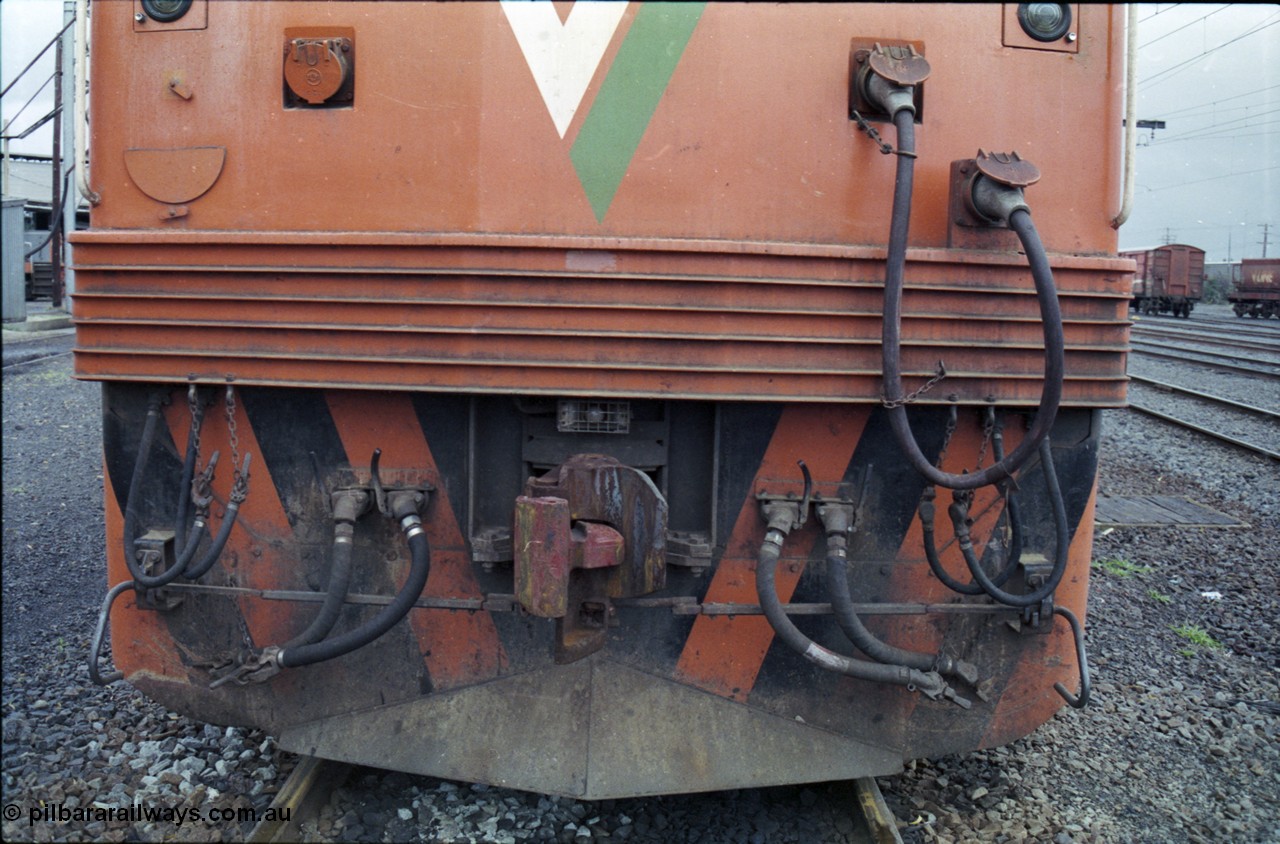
(1210, 178)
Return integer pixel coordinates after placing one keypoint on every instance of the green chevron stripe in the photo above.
(629, 96)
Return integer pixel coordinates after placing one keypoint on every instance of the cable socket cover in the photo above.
(879, 65)
(984, 191)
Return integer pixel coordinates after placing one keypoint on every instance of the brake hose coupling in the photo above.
(995, 187)
(782, 517)
(889, 76)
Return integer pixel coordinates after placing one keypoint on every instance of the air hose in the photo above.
(1012, 512)
(782, 517)
(404, 510)
(238, 493)
(348, 506)
(141, 579)
(766, 587)
(836, 524)
(1062, 532)
(1051, 317)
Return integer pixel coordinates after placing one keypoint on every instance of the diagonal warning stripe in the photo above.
(630, 94)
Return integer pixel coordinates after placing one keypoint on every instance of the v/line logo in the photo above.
(564, 57)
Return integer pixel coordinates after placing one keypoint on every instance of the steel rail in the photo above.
(1271, 344)
(32, 361)
(1217, 435)
(304, 793)
(1183, 358)
(1174, 388)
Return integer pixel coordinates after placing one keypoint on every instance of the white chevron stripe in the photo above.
(563, 57)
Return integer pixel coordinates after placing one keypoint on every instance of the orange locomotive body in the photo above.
(564, 370)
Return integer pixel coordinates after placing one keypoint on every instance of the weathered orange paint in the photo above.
(458, 646)
(723, 654)
(139, 639)
(734, 231)
(1029, 699)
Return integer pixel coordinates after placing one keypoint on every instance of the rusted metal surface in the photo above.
(403, 275)
(595, 729)
(590, 530)
(801, 195)
(319, 67)
(655, 323)
(175, 175)
(1174, 271)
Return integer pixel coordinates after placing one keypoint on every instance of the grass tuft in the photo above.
(1197, 636)
(1119, 567)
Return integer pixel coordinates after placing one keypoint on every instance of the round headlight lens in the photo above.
(165, 11)
(1045, 21)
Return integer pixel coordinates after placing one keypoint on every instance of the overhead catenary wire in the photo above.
(1216, 178)
(1184, 26)
(1213, 133)
(1212, 103)
(1266, 24)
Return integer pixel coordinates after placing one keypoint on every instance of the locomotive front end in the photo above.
(609, 399)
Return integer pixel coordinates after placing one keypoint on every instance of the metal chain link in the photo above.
(952, 420)
(193, 406)
(915, 394)
(885, 148)
(231, 432)
(988, 430)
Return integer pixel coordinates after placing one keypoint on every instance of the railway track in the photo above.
(312, 791)
(1210, 375)
(1268, 340)
(1239, 424)
(1185, 355)
(1209, 432)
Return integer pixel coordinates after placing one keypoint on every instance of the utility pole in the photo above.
(69, 146)
(1168, 236)
(1265, 231)
(55, 200)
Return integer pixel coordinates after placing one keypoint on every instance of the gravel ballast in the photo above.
(1181, 741)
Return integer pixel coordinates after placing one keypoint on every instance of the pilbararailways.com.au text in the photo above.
(56, 813)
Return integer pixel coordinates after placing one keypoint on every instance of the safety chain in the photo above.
(885, 148)
(193, 404)
(988, 431)
(201, 494)
(240, 481)
(915, 394)
(946, 437)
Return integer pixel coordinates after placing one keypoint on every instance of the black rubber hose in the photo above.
(766, 589)
(386, 618)
(184, 494)
(336, 594)
(219, 542)
(1050, 315)
(141, 579)
(224, 530)
(865, 640)
(1012, 512)
(1061, 529)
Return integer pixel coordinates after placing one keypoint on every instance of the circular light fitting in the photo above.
(1045, 21)
(166, 11)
